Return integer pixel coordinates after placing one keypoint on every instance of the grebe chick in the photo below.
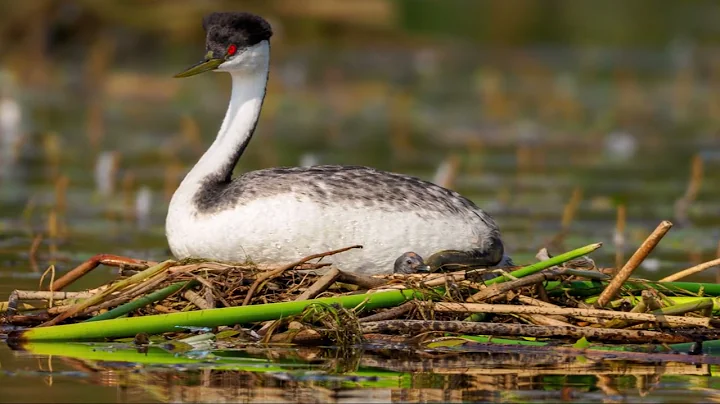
(442, 261)
(410, 263)
(277, 215)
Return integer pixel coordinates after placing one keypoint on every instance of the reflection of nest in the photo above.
(452, 378)
(229, 387)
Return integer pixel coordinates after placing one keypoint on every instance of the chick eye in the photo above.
(408, 262)
(231, 50)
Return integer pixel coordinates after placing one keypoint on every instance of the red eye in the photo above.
(231, 50)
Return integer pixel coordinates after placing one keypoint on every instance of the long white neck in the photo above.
(216, 165)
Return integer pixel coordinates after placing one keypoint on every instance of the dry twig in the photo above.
(501, 288)
(320, 285)
(266, 276)
(674, 321)
(691, 271)
(389, 314)
(363, 281)
(92, 263)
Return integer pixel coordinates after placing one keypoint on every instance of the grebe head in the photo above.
(235, 42)
(410, 263)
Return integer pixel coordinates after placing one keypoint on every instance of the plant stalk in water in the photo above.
(537, 267)
(139, 303)
(126, 327)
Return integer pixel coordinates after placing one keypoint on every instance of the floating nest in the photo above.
(559, 299)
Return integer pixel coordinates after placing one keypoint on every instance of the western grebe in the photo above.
(279, 215)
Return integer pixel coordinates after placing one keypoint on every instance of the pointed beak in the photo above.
(204, 66)
(423, 269)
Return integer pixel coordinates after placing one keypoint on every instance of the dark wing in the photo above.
(332, 184)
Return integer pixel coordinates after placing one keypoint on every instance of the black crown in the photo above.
(240, 29)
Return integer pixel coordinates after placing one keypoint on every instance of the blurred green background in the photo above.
(569, 121)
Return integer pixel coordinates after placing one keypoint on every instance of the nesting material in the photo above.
(549, 300)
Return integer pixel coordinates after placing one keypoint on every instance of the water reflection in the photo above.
(282, 374)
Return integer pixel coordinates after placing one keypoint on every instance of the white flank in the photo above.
(287, 227)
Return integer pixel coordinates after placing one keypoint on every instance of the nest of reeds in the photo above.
(565, 298)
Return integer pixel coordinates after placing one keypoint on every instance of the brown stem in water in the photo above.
(637, 258)
(92, 263)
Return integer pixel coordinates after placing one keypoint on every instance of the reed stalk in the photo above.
(637, 258)
(591, 288)
(666, 316)
(687, 307)
(537, 267)
(94, 262)
(155, 324)
(139, 303)
(674, 300)
(17, 295)
(691, 271)
(77, 308)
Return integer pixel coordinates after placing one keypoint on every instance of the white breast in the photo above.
(287, 227)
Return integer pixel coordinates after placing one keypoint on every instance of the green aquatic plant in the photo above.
(140, 303)
(539, 266)
(126, 327)
(592, 288)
